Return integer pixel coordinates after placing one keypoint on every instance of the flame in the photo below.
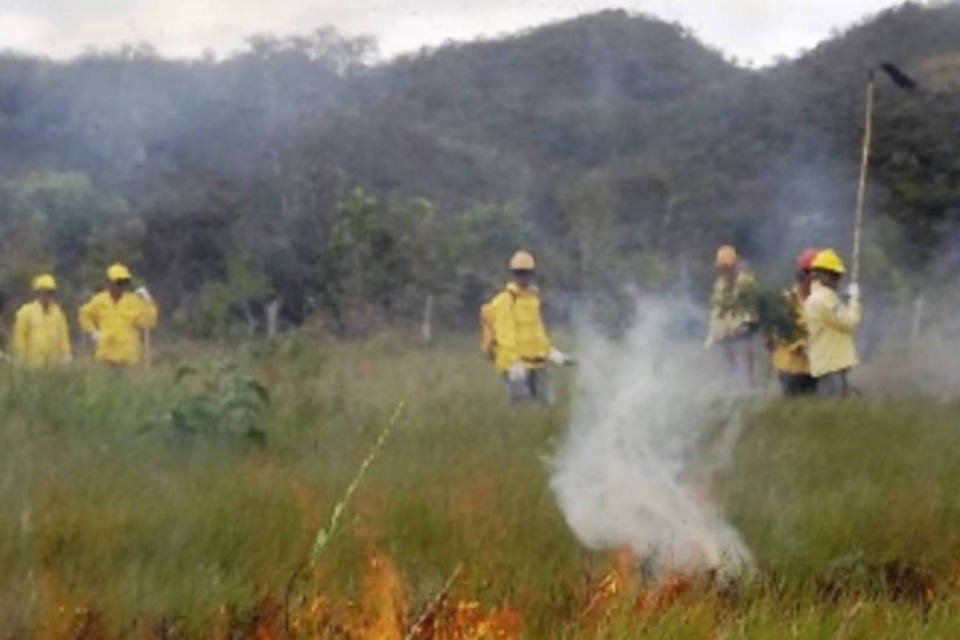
(620, 590)
(63, 614)
(314, 618)
(664, 593)
(619, 580)
(383, 603)
(466, 620)
(382, 613)
(268, 620)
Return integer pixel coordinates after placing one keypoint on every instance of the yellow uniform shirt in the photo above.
(733, 306)
(119, 324)
(831, 326)
(41, 336)
(518, 331)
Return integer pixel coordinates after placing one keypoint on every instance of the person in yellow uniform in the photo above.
(41, 336)
(831, 325)
(788, 345)
(116, 318)
(518, 341)
(733, 313)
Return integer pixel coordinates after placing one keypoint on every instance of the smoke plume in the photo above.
(651, 421)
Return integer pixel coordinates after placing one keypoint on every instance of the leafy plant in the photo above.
(225, 401)
(776, 315)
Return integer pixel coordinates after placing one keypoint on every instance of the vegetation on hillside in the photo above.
(617, 147)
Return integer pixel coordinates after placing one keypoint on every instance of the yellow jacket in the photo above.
(789, 355)
(518, 331)
(41, 338)
(119, 325)
(733, 308)
(831, 326)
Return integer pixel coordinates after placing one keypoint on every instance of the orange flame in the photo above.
(620, 588)
(664, 593)
(619, 580)
(466, 620)
(383, 602)
(382, 613)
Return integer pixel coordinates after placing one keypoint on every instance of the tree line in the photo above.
(304, 176)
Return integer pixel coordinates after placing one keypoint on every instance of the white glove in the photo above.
(517, 373)
(95, 336)
(853, 291)
(558, 357)
(143, 293)
(708, 342)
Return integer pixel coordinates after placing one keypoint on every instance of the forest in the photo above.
(307, 175)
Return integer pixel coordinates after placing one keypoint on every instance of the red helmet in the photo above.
(806, 258)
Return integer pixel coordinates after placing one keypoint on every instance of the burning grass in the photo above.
(110, 529)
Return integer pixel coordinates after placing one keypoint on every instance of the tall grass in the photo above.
(852, 509)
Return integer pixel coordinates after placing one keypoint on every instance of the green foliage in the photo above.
(57, 222)
(297, 175)
(482, 240)
(384, 258)
(302, 356)
(833, 492)
(218, 302)
(776, 315)
(71, 209)
(224, 401)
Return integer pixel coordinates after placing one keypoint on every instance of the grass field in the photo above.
(118, 521)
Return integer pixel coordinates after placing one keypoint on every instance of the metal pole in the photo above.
(862, 186)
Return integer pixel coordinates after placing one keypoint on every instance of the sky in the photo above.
(754, 31)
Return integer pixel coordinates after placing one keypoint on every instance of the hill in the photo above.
(562, 98)
(617, 146)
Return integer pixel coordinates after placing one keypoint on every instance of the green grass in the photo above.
(851, 509)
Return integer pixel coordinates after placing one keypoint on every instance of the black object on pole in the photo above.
(898, 76)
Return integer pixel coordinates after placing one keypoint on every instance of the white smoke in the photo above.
(634, 469)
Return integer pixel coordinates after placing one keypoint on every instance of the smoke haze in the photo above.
(632, 472)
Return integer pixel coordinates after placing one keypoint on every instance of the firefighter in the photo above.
(789, 343)
(41, 336)
(733, 313)
(116, 318)
(515, 337)
(831, 325)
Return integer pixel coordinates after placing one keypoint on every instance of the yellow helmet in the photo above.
(522, 261)
(727, 256)
(44, 282)
(828, 260)
(118, 272)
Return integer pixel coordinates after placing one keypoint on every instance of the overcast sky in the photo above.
(756, 30)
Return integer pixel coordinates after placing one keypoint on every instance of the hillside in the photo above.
(565, 97)
(617, 146)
